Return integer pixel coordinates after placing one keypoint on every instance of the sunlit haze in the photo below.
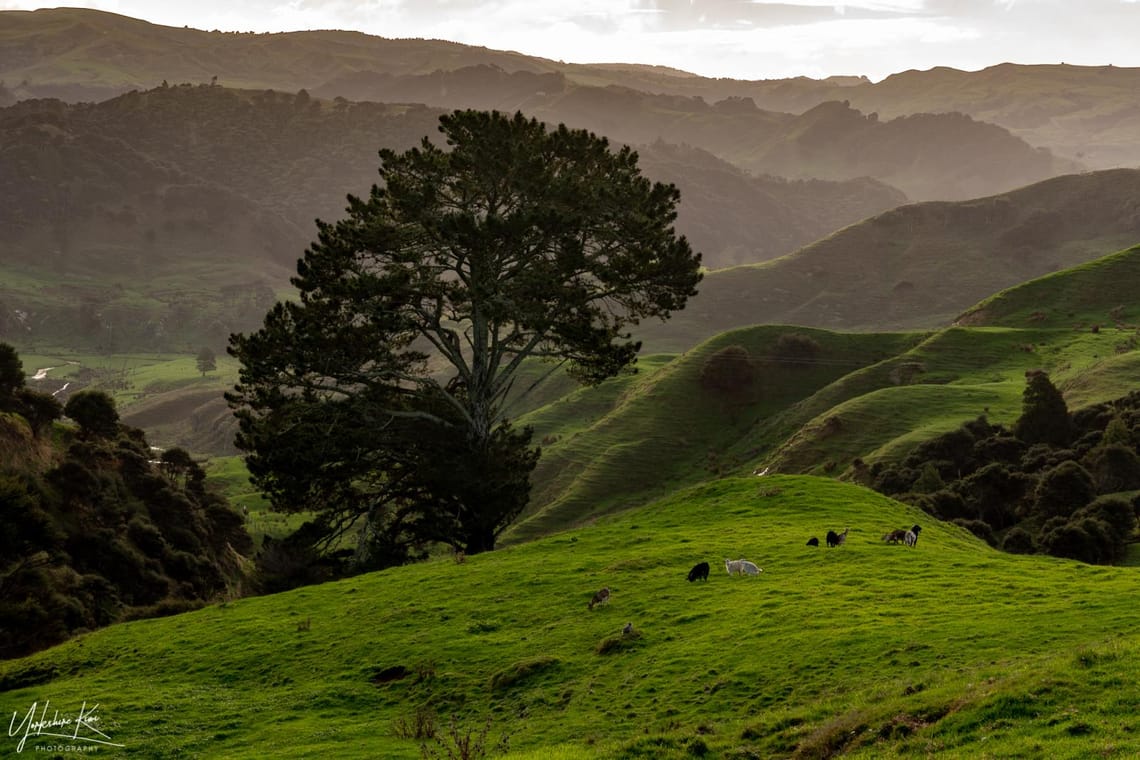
(744, 39)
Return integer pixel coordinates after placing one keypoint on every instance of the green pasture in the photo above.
(865, 395)
(947, 649)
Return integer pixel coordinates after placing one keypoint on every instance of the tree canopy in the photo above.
(380, 393)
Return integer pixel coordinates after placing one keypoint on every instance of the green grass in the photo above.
(949, 648)
(868, 396)
(635, 438)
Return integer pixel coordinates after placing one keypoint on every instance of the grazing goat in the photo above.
(749, 568)
(602, 597)
(836, 539)
(813, 541)
(911, 537)
(700, 572)
(899, 536)
(741, 567)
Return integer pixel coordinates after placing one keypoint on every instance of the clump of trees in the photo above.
(376, 401)
(1058, 483)
(91, 530)
(729, 370)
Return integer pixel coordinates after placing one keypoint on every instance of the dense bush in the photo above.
(729, 370)
(1037, 491)
(92, 533)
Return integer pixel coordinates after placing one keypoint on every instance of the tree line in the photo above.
(1058, 483)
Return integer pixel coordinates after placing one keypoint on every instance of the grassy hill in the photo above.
(918, 266)
(861, 395)
(1099, 293)
(638, 437)
(949, 649)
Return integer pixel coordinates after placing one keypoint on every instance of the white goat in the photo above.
(741, 567)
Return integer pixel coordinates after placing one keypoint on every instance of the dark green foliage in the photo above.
(515, 242)
(1018, 541)
(729, 370)
(929, 479)
(1032, 496)
(796, 348)
(946, 505)
(979, 528)
(1114, 467)
(94, 412)
(1117, 513)
(39, 409)
(1085, 539)
(1063, 490)
(206, 360)
(92, 533)
(953, 452)
(1005, 449)
(995, 491)
(1044, 415)
(11, 371)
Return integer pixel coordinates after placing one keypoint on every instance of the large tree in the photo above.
(380, 393)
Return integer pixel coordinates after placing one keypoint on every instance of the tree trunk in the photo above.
(479, 539)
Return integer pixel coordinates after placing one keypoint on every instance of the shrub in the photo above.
(729, 370)
(94, 412)
(980, 529)
(1063, 490)
(1113, 467)
(1018, 541)
(796, 347)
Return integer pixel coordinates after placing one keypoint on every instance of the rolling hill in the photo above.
(918, 266)
(868, 396)
(166, 219)
(947, 156)
(867, 650)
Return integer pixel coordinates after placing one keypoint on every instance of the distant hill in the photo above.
(1101, 293)
(76, 54)
(918, 266)
(176, 215)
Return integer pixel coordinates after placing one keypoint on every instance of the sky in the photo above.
(742, 39)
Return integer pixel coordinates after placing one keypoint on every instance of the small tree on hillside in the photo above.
(207, 361)
(11, 371)
(94, 412)
(796, 348)
(729, 370)
(1044, 416)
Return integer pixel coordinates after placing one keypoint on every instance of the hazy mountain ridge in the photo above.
(937, 157)
(172, 179)
(919, 266)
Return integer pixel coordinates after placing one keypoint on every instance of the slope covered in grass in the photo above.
(876, 650)
(636, 438)
(1100, 292)
(918, 266)
(864, 396)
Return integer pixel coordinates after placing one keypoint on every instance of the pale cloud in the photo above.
(750, 39)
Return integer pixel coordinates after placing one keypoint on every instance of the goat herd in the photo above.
(700, 571)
